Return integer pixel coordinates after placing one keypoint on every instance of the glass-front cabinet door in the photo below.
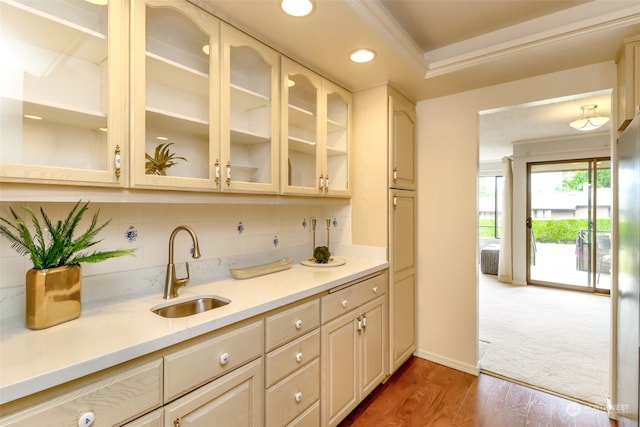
(250, 106)
(63, 96)
(176, 95)
(337, 140)
(316, 126)
(300, 163)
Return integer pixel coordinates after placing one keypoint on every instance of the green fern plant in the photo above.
(161, 160)
(61, 248)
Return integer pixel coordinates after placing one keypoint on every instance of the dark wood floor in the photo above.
(423, 393)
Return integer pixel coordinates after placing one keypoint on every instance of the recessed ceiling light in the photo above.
(297, 7)
(102, 129)
(362, 55)
(205, 49)
(290, 83)
(162, 138)
(32, 117)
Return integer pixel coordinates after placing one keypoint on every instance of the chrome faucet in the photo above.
(173, 283)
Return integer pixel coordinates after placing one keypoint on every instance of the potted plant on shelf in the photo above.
(161, 160)
(53, 284)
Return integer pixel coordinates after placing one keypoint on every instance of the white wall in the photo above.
(447, 149)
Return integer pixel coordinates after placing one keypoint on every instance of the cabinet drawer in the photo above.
(372, 288)
(235, 399)
(290, 397)
(198, 363)
(153, 419)
(338, 303)
(292, 323)
(309, 418)
(114, 398)
(288, 358)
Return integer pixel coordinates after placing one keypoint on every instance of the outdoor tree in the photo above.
(574, 180)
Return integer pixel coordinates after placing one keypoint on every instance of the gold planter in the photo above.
(53, 296)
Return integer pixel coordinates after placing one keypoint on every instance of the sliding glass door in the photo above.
(569, 224)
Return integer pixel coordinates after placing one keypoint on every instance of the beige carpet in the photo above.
(552, 339)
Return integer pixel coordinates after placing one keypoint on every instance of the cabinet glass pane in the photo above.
(337, 142)
(53, 96)
(250, 115)
(302, 132)
(177, 95)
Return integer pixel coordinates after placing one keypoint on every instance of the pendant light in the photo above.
(590, 120)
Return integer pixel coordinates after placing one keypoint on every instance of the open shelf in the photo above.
(302, 146)
(335, 152)
(302, 118)
(247, 99)
(65, 114)
(172, 74)
(239, 136)
(35, 33)
(166, 120)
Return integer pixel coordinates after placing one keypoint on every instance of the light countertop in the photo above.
(107, 335)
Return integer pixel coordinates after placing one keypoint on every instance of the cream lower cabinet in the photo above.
(231, 358)
(292, 371)
(234, 399)
(152, 419)
(353, 347)
(402, 286)
(111, 397)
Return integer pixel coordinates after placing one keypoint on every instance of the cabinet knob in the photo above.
(344, 303)
(86, 419)
(299, 324)
(298, 396)
(299, 357)
(375, 289)
(224, 359)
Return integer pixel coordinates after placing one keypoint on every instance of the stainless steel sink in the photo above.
(190, 306)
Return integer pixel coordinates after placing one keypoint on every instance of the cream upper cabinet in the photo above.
(402, 142)
(64, 92)
(316, 123)
(628, 89)
(250, 114)
(176, 95)
(337, 126)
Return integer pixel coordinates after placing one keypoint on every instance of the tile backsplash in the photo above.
(231, 235)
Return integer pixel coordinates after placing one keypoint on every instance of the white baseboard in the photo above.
(451, 363)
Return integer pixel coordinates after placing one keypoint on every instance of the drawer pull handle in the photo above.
(299, 357)
(299, 324)
(375, 289)
(224, 359)
(86, 419)
(298, 396)
(344, 303)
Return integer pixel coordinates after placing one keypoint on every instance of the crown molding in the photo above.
(377, 16)
(575, 23)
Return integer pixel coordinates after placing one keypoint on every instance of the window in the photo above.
(490, 205)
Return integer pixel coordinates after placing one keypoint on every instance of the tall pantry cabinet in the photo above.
(384, 204)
